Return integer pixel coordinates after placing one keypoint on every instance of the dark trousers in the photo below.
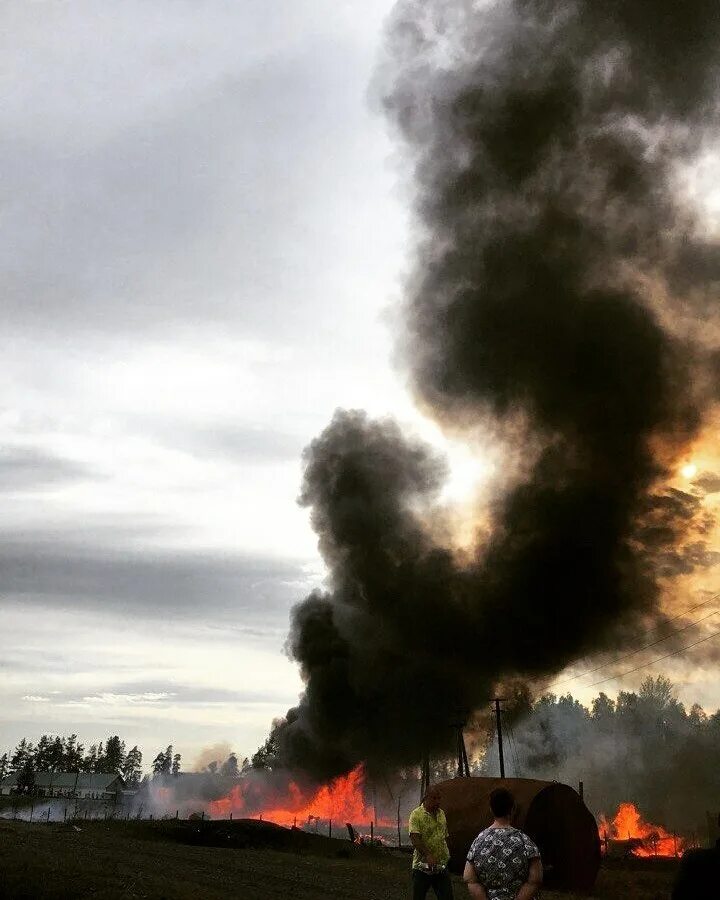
(440, 883)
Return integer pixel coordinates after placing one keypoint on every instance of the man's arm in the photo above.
(475, 889)
(534, 881)
(419, 845)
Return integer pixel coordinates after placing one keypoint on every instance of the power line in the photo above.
(676, 631)
(513, 748)
(659, 659)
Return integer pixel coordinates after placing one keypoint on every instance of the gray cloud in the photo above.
(206, 210)
(152, 585)
(236, 444)
(32, 469)
(167, 692)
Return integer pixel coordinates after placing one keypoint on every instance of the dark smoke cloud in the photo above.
(555, 267)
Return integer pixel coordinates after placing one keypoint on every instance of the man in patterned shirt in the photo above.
(503, 863)
(428, 835)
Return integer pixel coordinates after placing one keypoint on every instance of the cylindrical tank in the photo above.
(552, 814)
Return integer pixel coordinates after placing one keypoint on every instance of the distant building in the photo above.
(85, 786)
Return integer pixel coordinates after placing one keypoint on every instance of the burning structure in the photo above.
(630, 834)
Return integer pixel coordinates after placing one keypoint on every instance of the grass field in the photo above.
(172, 861)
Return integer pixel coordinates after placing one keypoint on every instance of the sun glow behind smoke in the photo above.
(468, 471)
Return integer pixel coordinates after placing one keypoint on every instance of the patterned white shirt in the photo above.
(501, 859)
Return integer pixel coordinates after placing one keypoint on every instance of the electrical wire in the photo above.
(659, 659)
(619, 659)
(513, 745)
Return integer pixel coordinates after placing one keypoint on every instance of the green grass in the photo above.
(112, 860)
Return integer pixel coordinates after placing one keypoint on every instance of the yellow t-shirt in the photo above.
(434, 831)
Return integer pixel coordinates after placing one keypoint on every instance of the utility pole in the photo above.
(424, 775)
(463, 766)
(497, 701)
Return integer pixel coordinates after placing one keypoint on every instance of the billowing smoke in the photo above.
(557, 283)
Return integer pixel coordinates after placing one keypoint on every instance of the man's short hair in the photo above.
(501, 802)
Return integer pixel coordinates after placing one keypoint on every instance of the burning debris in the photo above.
(342, 800)
(636, 837)
(558, 282)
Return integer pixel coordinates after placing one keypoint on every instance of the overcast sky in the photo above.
(204, 232)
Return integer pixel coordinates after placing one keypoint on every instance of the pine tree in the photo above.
(230, 767)
(90, 762)
(56, 755)
(132, 767)
(23, 751)
(158, 764)
(73, 754)
(176, 764)
(4, 765)
(114, 758)
(26, 776)
(42, 754)
(168, 760)
(265, 756)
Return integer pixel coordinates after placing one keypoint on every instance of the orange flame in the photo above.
(643, 839)
(341, 800)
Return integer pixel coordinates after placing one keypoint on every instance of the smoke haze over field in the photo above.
(642, 746)
(556, 278)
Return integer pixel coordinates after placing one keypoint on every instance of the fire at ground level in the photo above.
(117, 860)
(344, 807)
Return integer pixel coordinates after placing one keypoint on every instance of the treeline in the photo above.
(645, 747)
(67, 754)
(55, 753)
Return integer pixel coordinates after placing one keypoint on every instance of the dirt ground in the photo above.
(112, 860)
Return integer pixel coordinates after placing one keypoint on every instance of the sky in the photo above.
(203, 238)
(205, 232)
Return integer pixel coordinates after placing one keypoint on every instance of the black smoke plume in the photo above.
(558, 281)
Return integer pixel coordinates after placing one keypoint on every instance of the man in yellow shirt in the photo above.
(428, 835)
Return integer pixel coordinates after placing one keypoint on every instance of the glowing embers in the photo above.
(629, 830)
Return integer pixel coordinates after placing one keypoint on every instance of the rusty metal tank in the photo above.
(552, 814)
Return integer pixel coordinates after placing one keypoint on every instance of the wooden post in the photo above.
(177, 815)
(424, 775)
(330, 827)
(497, 701)
(372, 832)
